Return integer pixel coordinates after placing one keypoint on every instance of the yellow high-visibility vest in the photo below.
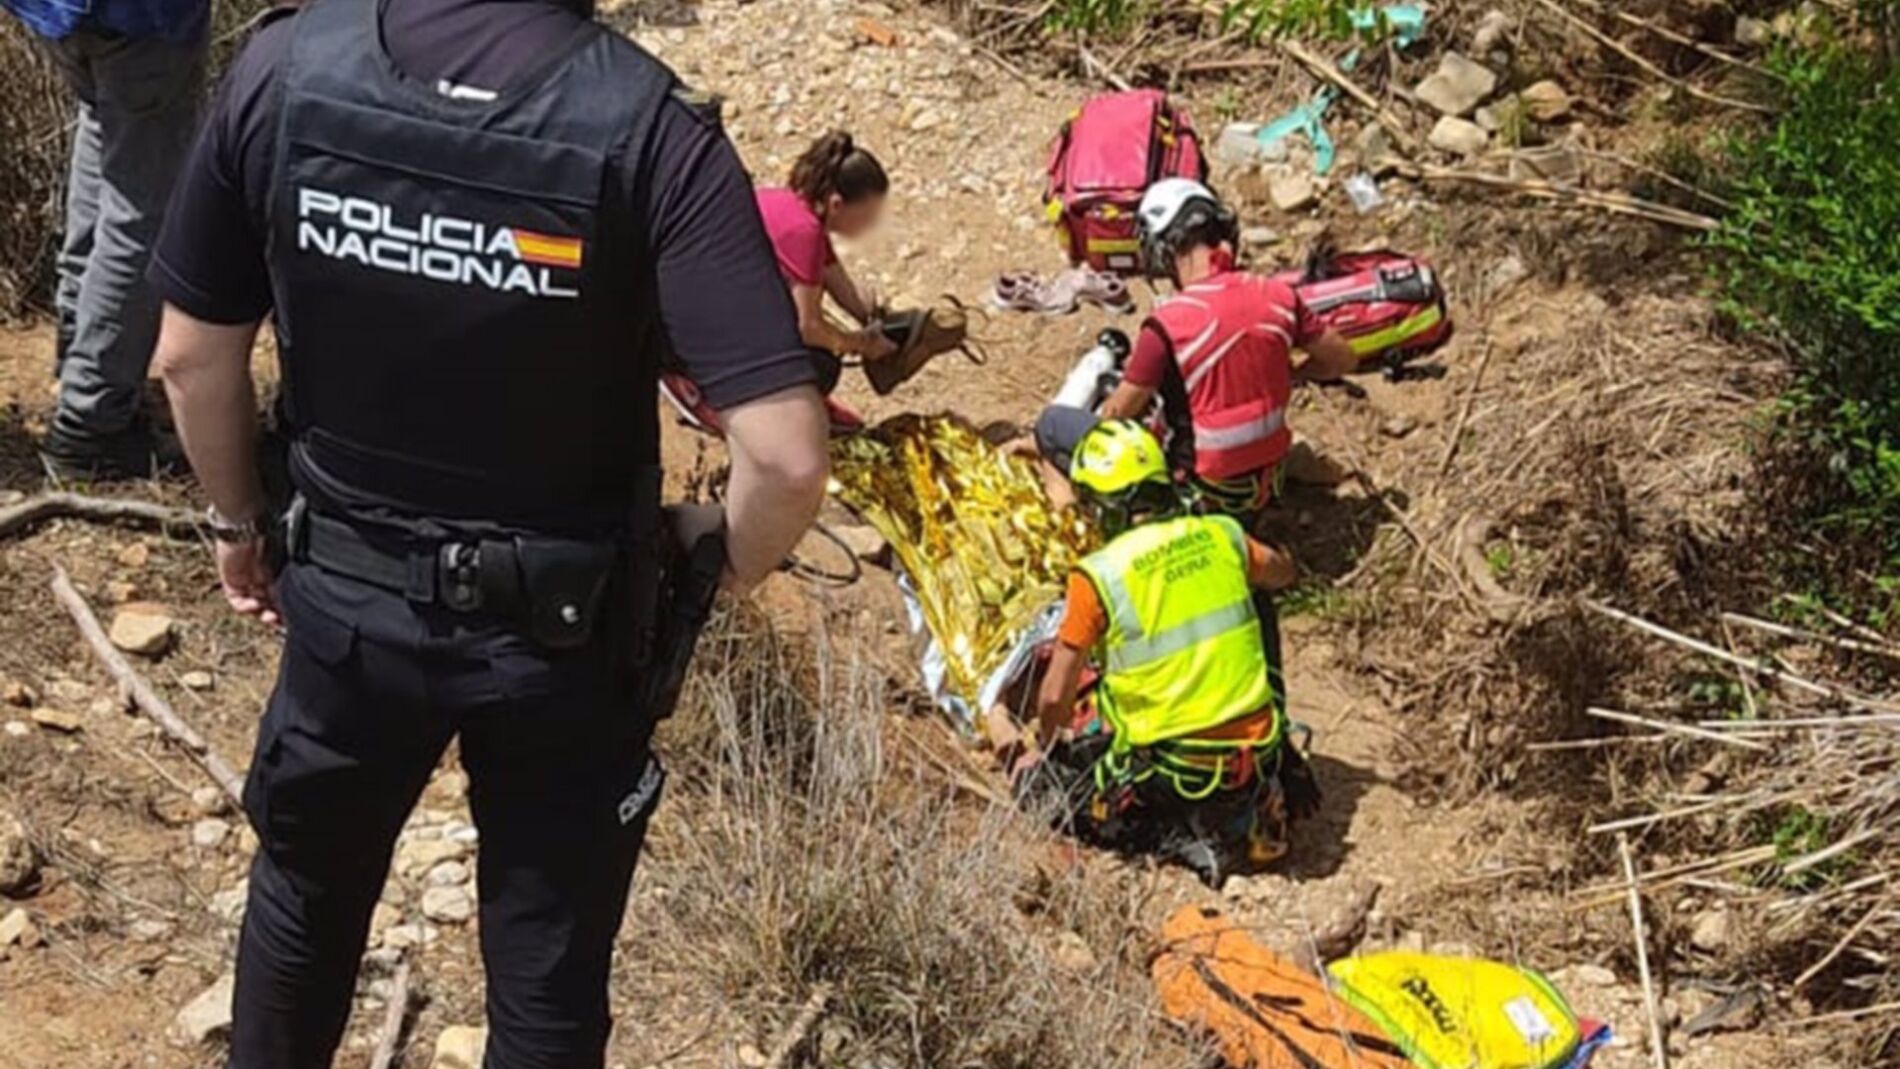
(1182, 654)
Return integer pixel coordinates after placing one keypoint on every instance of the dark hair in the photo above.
(835, 164)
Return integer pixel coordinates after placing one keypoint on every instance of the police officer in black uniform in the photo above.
(478, 227)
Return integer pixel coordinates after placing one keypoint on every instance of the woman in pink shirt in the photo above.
(835, 188)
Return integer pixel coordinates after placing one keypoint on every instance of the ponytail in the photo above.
(835, 164)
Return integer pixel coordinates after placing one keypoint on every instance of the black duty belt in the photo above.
(463, 575)
(553, 586)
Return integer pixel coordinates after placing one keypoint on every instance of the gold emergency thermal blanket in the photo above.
(985, 551)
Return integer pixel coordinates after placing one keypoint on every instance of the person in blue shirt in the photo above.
(136, 69)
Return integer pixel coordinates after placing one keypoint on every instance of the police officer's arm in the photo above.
(1055, 703)
(780, 463)
(206, 368)
(732, 328)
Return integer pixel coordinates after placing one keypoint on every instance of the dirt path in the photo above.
(964, 140)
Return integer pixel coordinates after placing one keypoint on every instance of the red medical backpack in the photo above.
(1101, 163)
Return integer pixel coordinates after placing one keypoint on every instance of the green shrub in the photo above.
(1261, 18)
(1112, 16)
(1811, 255)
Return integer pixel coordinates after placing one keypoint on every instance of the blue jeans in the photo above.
(137, 109)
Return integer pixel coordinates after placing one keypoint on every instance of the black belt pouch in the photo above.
(564, 585)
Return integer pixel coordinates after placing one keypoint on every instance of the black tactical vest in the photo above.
(463, 293)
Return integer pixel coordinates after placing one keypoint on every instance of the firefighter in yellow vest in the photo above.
(1188, 755)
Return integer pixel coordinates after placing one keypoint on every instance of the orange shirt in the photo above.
(1085, 622)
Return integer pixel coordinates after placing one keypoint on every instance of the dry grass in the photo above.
(803, 846)
(1794, 841)
(34, 114)
(1607, 461)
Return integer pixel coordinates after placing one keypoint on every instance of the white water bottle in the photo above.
(1096, 373)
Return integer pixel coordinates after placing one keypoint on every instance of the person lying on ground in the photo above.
(1217, 354)
(1194, 763)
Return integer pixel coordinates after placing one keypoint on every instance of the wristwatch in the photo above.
(227, 530)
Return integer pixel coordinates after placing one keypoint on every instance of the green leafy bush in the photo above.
(1113, 16)
(1261, 18)
(1813, 255)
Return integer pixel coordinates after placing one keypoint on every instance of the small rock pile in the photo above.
(1476, 115)
(1468, 126)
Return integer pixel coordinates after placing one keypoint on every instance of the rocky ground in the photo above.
(116, 951)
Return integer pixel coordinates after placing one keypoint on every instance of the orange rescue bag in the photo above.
(1265, 1011)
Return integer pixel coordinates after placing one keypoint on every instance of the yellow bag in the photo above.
(1461, 1013)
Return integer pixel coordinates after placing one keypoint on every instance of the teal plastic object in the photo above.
(1307, 119)
(1406, 22)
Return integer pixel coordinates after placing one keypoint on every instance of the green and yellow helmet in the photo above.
(1115, 459)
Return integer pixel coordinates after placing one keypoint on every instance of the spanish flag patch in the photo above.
(548, 250)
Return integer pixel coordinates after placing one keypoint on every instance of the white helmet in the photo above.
(1167, 199)
(1170, 210)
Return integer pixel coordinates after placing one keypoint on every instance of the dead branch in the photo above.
(970, 781)
(1830, 852)
(1464, 415)
(1363, 476)
(1618, 203)
(384, 1055)
(1561, 745)
(1100, 70)
(1633, 56)
(1656, 1048)
(1670, 876)
(1839, 947)
(1759, 667)
(801, 1027)
(1380, 113)
(19, 518)
(1784, 631)
(1644, 821)
(1846, 624)
(1673, 728)
(1684, 40)
(1658, 174)
(143, 696)
(1845, 1015)
(1806, 723)
(1010, 69)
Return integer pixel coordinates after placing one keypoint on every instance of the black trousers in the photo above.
(370, 692)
